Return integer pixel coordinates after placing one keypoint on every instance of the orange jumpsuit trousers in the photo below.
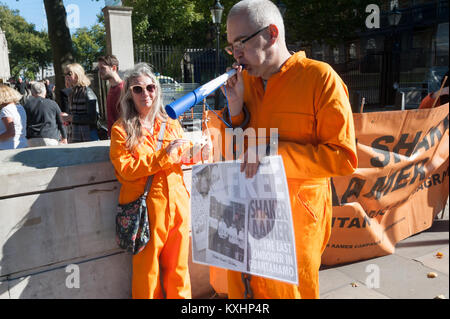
(308, 103)
(161, 269)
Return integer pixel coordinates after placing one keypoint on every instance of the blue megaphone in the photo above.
(184, 103)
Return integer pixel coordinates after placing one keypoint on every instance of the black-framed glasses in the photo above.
(240, 45)
(68, 73)
(138, 89)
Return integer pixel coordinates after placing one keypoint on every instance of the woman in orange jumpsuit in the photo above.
(308, 103)
(161, 269)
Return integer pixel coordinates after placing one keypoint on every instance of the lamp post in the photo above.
(394, 17)
(390, 67)
(216, 13)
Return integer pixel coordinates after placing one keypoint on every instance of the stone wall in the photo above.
(57, 209)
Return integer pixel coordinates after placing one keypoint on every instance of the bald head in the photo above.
(259, 13)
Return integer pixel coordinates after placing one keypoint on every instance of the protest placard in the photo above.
(243, 224)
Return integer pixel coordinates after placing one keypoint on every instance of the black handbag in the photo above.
(132, 225)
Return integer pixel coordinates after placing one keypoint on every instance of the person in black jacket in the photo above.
(20, 86)
(44, 122)
(83, 106)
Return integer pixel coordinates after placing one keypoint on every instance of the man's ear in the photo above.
(274, 33)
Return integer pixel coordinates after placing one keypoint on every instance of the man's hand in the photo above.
(250, 162)
(235, 91)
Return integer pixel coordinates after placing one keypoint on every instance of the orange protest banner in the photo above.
(400, 185)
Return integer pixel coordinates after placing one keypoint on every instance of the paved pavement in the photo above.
(402, 275)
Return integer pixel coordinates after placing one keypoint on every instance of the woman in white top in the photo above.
(13, 119)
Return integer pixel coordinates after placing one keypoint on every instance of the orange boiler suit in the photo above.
(308, 103)
(161, 269)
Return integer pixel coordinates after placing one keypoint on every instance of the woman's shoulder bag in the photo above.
(132, 226)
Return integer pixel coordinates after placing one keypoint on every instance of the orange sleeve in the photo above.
(427, 102)
(334, 152)
(138, 165)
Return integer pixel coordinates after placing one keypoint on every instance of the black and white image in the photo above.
(243, 224)
(226, 226)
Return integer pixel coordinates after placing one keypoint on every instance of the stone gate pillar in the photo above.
(4, 59)
(119, 35)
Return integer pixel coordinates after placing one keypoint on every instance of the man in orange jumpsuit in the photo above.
(308, 103)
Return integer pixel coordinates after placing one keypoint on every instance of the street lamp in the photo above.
(216, 13)
(282, 7)
(394, 17)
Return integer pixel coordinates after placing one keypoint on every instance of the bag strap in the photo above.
(158, 147)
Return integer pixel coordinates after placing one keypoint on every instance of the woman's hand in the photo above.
(206, 152)
(197, 151)
(175, 147)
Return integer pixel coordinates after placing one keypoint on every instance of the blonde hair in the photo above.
(8, 95)
(129, 115)
(77, 69)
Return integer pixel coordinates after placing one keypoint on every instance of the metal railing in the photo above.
(188, 65)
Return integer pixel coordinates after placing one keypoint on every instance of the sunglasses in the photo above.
(68, 73)
(240, 45)
(138, 89)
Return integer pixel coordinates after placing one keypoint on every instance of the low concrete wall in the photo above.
(57, 209)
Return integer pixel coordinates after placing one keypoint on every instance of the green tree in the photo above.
(174, 22)
(324, 21)
(89, 44)
(189, 23)
(162, 22)
(29, 48)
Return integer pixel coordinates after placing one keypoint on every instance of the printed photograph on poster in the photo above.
(243, 224)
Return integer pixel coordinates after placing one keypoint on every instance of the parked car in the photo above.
(163, 80)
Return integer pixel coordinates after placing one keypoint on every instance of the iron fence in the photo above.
(187, 65)
(364, 76)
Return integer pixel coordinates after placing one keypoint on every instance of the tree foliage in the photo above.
(89, 44)
(185, 23)
(174, 22)
(189, 23)
(324, 21)
(29, 49)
